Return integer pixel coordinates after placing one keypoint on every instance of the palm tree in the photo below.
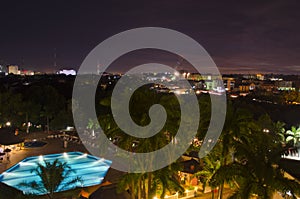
(54, 178)
(167, 179)
(131, 182)
(145, 184)
(212, 163)
(238, 124)
(256, 171)
(293, 135)
(93, 125)
(279, 131)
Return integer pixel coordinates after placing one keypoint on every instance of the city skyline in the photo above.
(248, 37)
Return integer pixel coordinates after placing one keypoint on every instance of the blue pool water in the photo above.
(90, 169)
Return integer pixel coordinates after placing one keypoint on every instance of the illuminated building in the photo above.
(13, 69)
(67, 72)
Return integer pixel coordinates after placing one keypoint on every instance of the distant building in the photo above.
(276, 79)
(67, 72)
(199, 77)
(3, 70)
(285, 85)
(249, 76)
(245, 88)
(260, 77)
(26, 72)
(268, 87)
(13, 69)
(229, 83)
(195, 77)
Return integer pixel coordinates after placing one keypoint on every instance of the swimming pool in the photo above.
(90, 169)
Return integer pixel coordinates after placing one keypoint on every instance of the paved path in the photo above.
(207, 195)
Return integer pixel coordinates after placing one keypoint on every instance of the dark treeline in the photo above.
(46, 100)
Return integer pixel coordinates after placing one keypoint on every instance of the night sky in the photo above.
(252, 36)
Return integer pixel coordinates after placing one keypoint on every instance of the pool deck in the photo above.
(292, 157)
(54, 145)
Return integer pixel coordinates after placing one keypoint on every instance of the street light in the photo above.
(7, 123)
(266, 130)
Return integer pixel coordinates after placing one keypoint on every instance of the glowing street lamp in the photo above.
(7, 123)
(266, 130)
